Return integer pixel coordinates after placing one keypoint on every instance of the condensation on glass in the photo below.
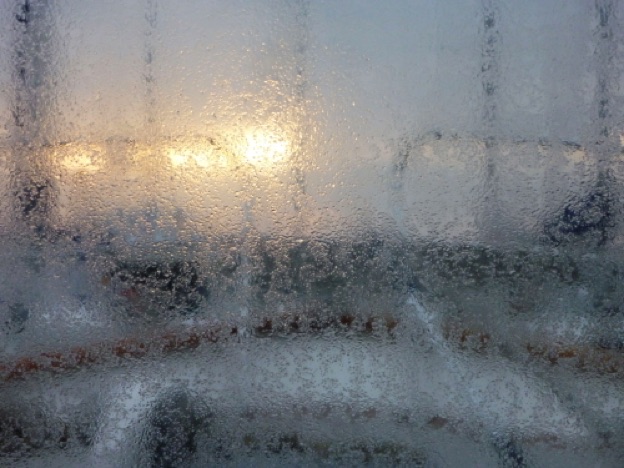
(293, 232)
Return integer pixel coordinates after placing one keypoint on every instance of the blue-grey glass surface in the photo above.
(311, 233)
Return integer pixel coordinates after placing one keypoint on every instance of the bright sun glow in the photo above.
(264, 149)
(201, 154)
(258, 148)
(80, 158)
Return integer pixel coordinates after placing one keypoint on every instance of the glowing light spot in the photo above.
(79, 158)
(264, 149)
(202, 154)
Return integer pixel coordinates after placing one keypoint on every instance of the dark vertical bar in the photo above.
(606, 80)
(598, 212)
(397, 183)
(509, 451)
(32, 110)
(490, 66)
(490, 74)
(300, 48)
(152, 120)
(592, 218)
(175, 423)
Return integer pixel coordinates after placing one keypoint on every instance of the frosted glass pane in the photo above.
(311, 233)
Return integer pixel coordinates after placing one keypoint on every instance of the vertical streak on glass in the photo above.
(490, 65)
(605, 68)
(490, 79)
(32, 109)
(152, 120)
(32, 41)
(397, 184)
(301, 41)
(605, 141)
(592, 217)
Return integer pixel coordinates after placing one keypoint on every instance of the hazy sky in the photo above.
(359, 75)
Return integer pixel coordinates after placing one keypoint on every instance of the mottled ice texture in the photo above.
(318, 233)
